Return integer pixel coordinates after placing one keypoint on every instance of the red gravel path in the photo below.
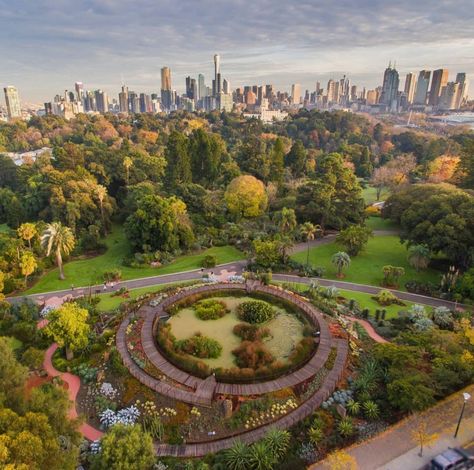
(73, 385)
(369, 328)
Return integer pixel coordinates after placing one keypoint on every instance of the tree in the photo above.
(28, 264)
(340, 460)
(419, 257)
(286, 221)
(101, 192)
(127, 164)
(246, 197)
(12, 375)
(421, 436)
(267, 252)
(354, 238)
(308, 232)
(159, 224)
(277, 166)
(58, 239)
(178, 159)
(125, 448)
(68, 327)
(26, 232)
(296, 159)
(443, 168)
(341, 260)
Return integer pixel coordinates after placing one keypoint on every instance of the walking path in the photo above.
(394, 449)
(73, 384)
(369, 329)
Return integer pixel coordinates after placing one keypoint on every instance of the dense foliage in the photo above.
(255, 311)
(210, 309)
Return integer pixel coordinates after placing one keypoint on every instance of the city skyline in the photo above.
(101, 42)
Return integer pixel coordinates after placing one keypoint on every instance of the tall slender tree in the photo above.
(59, 239)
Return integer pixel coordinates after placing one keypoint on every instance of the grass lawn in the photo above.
(377, 223)
(366, 268)
(364, 300)
(89, 271)
(370, 195)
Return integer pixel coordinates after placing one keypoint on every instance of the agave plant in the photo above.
(371, 409)
(353, 407)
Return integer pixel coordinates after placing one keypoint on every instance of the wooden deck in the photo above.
(204, 390)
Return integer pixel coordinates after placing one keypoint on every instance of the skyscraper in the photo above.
(101, 101)
(463, 89)
(447, 98)
(217, 73)
(410, 86)
(331, 91)
(440, 79)
(422, 87)
(166, 78)
(226, 86)
(391, 82)
(12, 99)
(295, 93)
(201, 86)
(123, 100)
(166, 92)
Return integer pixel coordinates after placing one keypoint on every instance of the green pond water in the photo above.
(286, 331)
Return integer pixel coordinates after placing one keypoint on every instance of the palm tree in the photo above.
(127, 164)
(419, 257)
(101, 192)
(308, 232)
(287, 221)
(59, 239)
(341, 260)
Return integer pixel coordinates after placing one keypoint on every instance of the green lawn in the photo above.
(107, 302)
(377, 223)
(366, 268)
(370, 195)
(364, 300)
(89, 271)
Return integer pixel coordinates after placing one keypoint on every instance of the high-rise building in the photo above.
(79, 86)
(447, 98)
(101, 101)
(410, 86)
(123, 100)
(226, 86)
(166, 78)
(217, 74)
(12, 100)
(461, 78)
(201, 86)
(372, 97)
(391, 82)
(422, 85)
(134, 102)
(296, 93)
(440, 79)
(331, 91)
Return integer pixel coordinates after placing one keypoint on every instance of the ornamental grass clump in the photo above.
(255, 311)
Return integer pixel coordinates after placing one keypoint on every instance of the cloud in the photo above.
(46, 45)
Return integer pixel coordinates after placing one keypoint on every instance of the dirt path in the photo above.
(369, 329)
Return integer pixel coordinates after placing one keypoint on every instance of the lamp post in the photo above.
(466, 397)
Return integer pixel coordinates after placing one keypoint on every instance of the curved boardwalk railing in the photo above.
(154, 355)
(290, 419)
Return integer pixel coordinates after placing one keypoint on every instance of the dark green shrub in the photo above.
(199, 346)
(209, 261)
(255, 311)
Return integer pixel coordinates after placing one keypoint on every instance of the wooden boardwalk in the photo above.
(204, 390)
(290, 419)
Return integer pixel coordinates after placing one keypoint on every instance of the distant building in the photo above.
(12, 100)
(448, 97)
(123, 100)
(410, 87)
(440, 80)
(201, 86)
(296, 93)
(422, 85)
(391, 82)
(167, 96)
(461, 78)
(217, 75)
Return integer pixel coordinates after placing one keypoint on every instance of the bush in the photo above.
(252, 355)
(210, 309)
(250, 332)
(33, 358)
(200, 346)
(255, 311)
(385, 298)
(209, 261)
(112, 276)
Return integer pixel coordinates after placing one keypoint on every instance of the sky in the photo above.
(47, 45)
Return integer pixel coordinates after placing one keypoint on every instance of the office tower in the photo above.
(79, 86)
(296, 93)
(353, 92)
(391, 81)
(372, 97)
(410, 86)
(201, 86)
(189, 88)
(12, 100)
(166, 78)
(421, 92)
(48, 108)
(217, 73)
(447, 98)
(101, 101)
(440, 79)
(250, 98)
(331, 91)
(269, 93)
(318, 88)
(226, 86)
(123, 100)
(461, 98)
(133, 102)
(224, 102)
